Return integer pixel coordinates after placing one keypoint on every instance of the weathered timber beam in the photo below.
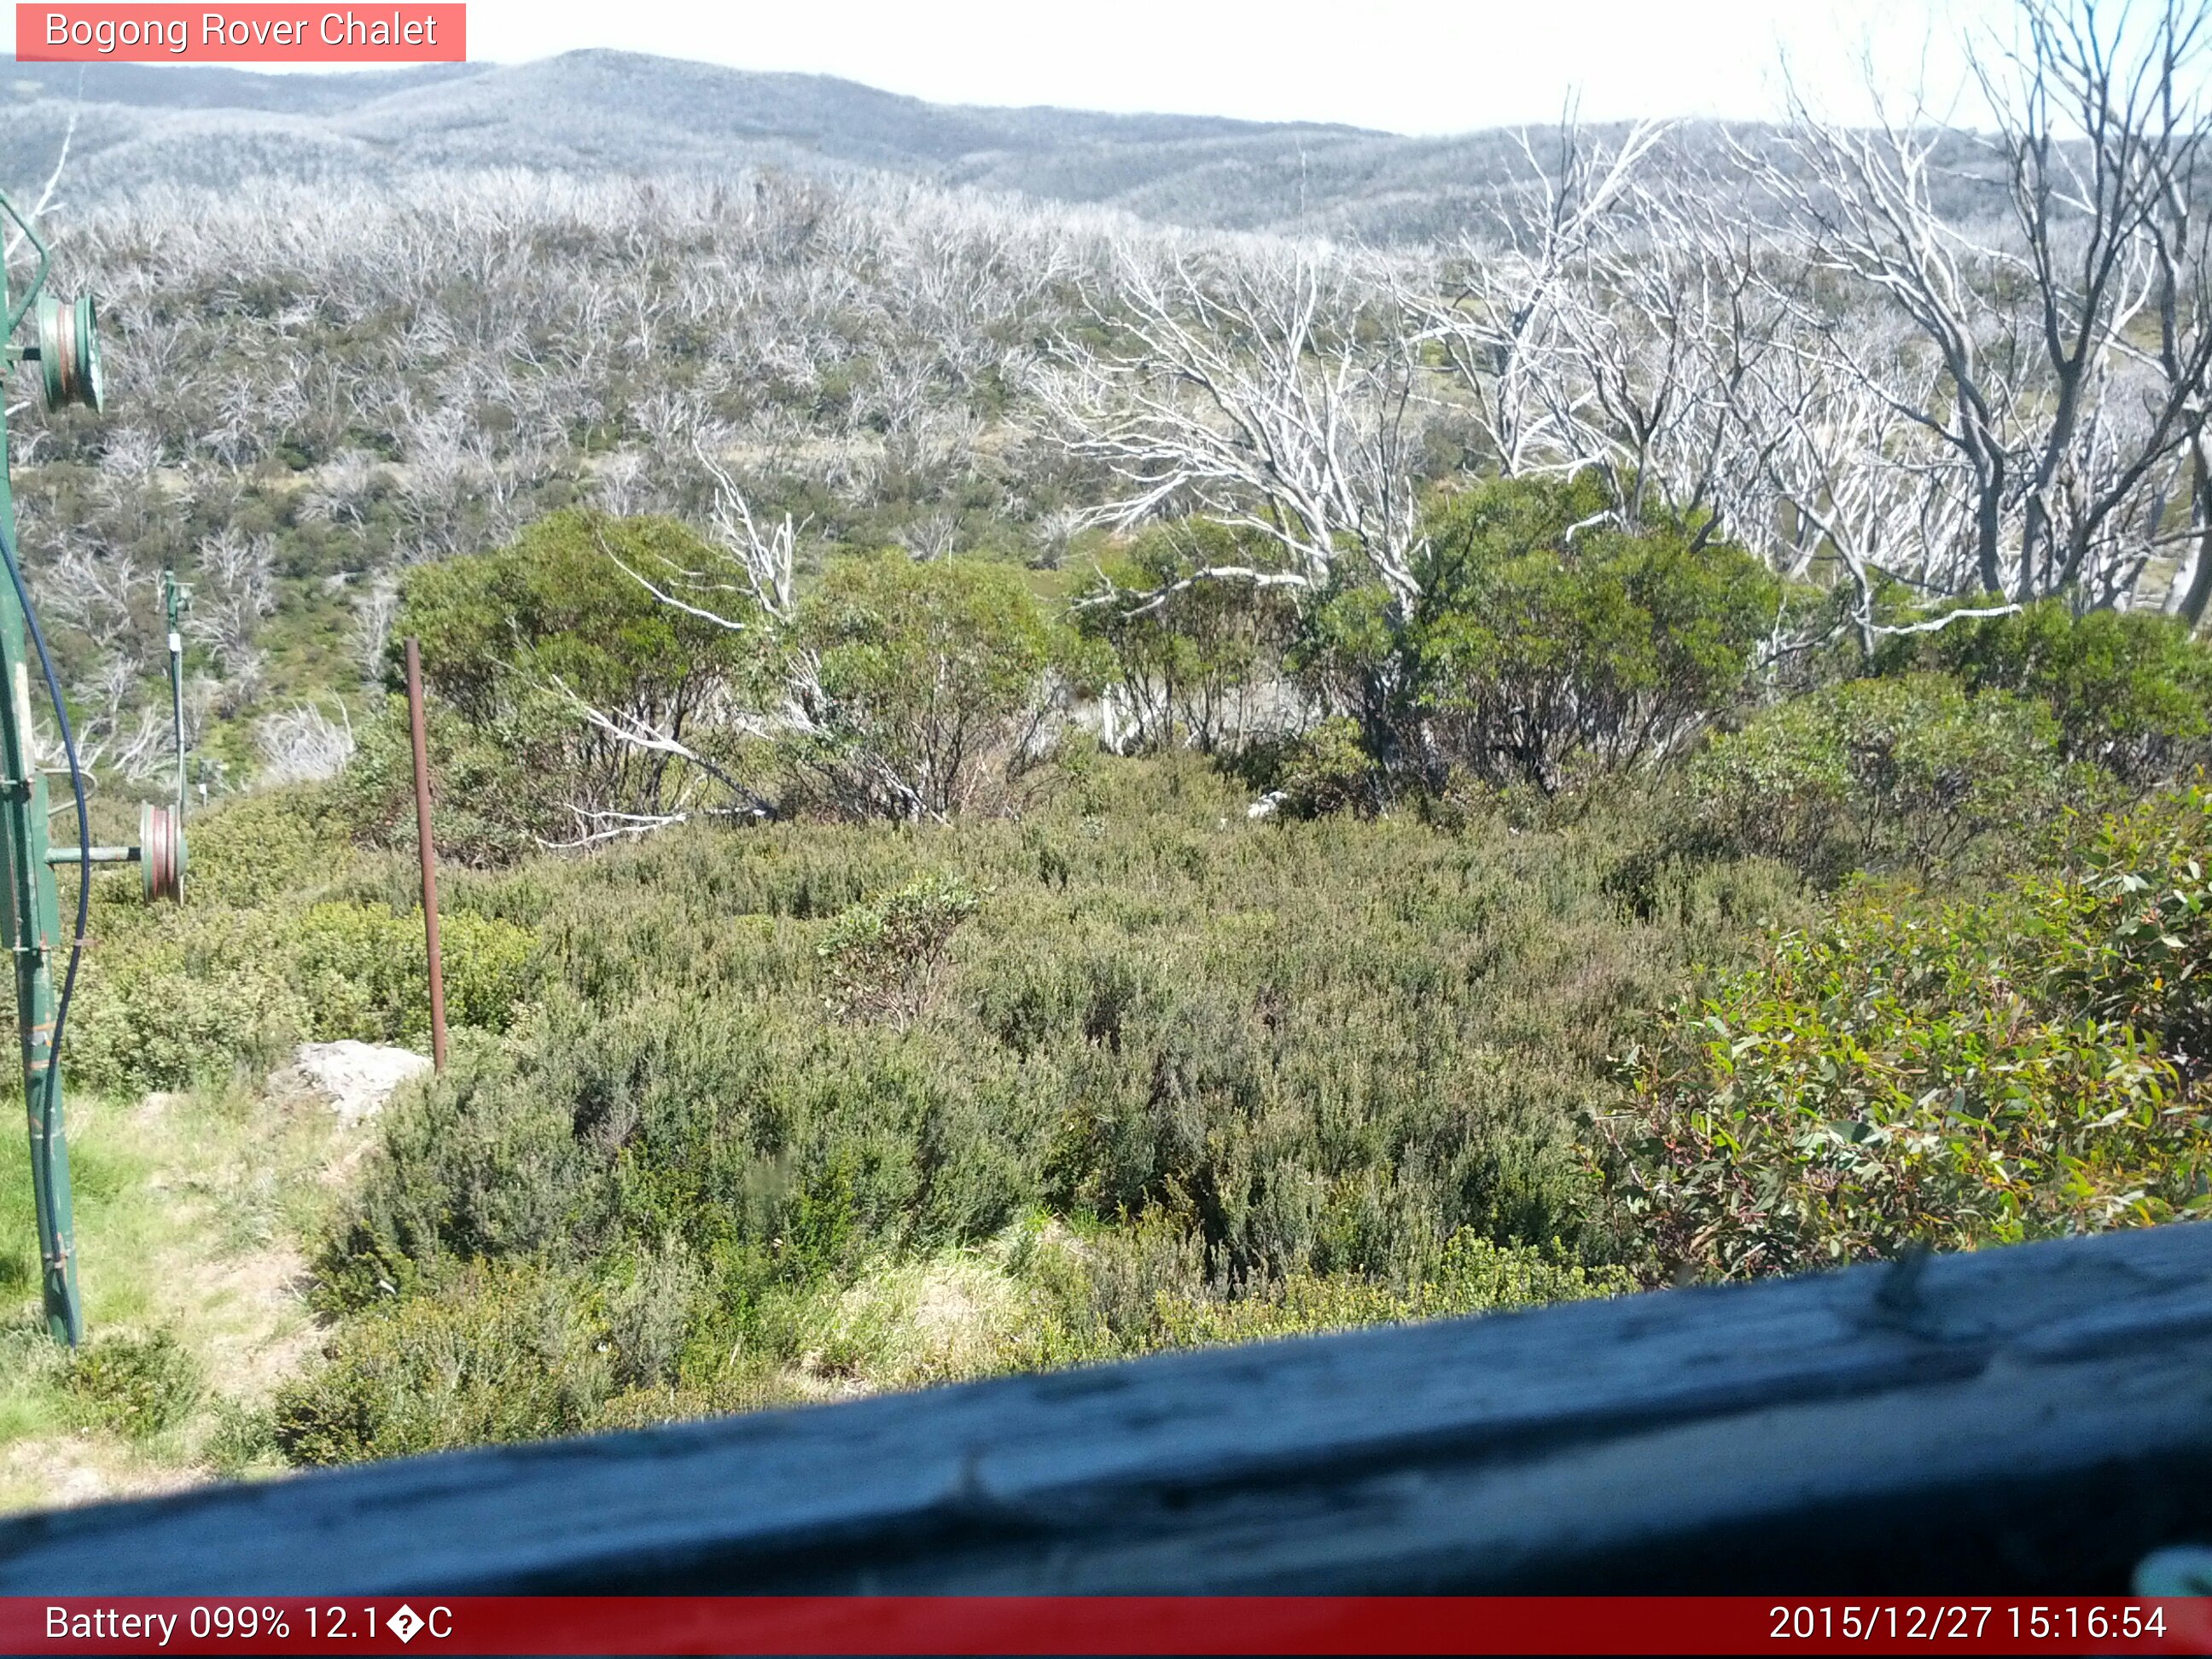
(2033, 1420)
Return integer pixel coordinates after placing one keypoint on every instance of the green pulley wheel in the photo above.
(69, 351)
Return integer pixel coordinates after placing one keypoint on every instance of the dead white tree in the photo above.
(2097, 118)
(746, 586)
(1865, 201)
(1500, 313)
(374, 612)
(2060, 422)
(303, 743)
(45, 202)
(1275, 391)
(236, 589)
(757, 562)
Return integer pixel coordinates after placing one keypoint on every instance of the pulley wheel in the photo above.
(161, 854)
(69, 351)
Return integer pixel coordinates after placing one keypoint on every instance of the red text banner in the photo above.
(258, 33)
(1100, 1625)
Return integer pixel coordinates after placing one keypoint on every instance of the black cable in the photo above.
(84, 852)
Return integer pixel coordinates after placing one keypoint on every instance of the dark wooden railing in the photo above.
(2033, 1420)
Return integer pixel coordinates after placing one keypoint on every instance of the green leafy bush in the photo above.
(2130, 691)
(490, 802)
(135, 1027)
(266, 952)
(518, 643)
(1326, 770)
(1949, 1074)
(888, 956)
(1208, 1092)
(257, 850)
(933, 693)
(1472, 1275)
(361, 971)
(485, 1163)
(2125, 929)
(1544, 636)
(1910, 772)
(242, 1438)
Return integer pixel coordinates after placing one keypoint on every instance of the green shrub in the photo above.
(184, 996)
(1142, 1288)
(490, 802)
(493, 1356)
(485, 1164)
(1220, 1095)
(931, 694)
(1325, 770)
(138, 1384)
(256, 850)
(887, 956)
(650, 1316)
(1353, 657)
(1949, 1074)
(1192, 653)
(362, 970)
(242, 1439)
(1909, 773)
(2130, 691)
(516, 642)
(1473, 1275)
(1544, 636)
(135, 1027)
(2125, 930)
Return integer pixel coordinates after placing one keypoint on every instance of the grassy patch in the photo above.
(189, 1211)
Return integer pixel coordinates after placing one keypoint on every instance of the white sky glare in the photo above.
(1419, 66)
(1395, 65)
(1426, 66)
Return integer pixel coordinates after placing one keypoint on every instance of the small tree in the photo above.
(1206, 656)
(930, 689)
(611, 703)
(1274, 390)
(1546, 634)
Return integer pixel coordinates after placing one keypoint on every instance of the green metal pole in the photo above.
(30, 911)
(30, 917)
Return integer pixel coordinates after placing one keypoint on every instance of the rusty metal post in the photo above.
(429, 853)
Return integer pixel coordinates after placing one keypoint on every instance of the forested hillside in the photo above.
(625, 114)
(1020, 782)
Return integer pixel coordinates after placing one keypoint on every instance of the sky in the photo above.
(1426, 66)
(1421, 66)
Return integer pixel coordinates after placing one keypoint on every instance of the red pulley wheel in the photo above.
(161, 854)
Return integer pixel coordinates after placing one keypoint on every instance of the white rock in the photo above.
(356, 1078)
(1265, 806)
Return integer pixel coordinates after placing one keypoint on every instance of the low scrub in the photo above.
(288, 934)
(1156, 1073)
(501, 1354)
(136, 1383)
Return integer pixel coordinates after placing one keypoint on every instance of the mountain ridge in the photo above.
(136, 125)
